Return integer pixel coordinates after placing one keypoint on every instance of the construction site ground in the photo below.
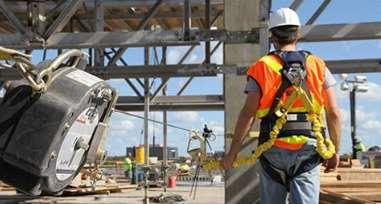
(345, 186)
(205, 195)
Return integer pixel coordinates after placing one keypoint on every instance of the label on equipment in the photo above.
(69, 156)
(84, 77)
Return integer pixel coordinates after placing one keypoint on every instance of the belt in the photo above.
(297, 124)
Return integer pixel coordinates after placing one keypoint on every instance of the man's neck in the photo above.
(289, 47)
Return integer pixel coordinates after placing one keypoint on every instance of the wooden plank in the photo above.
(91, 191)
(6, 187)
(327, 196)
(373, 196)
(339, 184)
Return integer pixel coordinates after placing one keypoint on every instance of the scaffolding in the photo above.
(106, 29)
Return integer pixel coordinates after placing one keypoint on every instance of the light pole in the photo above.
(358, 84)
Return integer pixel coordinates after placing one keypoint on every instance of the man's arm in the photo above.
(334, 126)
(243, 126)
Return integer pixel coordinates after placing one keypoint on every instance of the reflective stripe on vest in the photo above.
(292, 142)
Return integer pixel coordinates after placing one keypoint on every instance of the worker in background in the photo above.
(290, 168)
(359, 148)
(127, 166)
(184, 168)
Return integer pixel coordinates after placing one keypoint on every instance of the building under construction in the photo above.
(101, 32)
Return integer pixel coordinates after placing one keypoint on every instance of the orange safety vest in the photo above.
(267, 73)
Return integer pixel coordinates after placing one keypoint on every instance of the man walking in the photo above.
(290, 168)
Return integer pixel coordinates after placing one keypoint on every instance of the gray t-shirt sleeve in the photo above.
(252, 85)
(329, 80)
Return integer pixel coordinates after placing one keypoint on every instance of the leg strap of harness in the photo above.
(283, 177)
(278, 175)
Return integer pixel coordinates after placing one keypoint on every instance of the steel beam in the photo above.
(12, 18)
(127, 39)
(318, 12)
(117, 56)
(143, 23)
(172, 103)
(185, 56)
(64, 17)
(146, 3)
(139, 71)
(354, 66)
(295, 4)
(54, 6)
(216, 17)
(163, 84)
(128, 81)
(338, 32)
(186, 84)
(116, 39)
(188, 70)
(164, 80)
(136, 16)
(59, 6)
(310, 33)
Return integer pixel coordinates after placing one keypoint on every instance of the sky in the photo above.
(127, 131)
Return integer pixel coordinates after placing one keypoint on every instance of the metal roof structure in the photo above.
(107, 28)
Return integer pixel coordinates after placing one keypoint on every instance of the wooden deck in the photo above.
(345, 186)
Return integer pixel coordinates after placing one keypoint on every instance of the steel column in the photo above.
(99, 26)
(146, 135)
(37, 16)
(187, 19)
(165, 125)
(207, 25)
(352, 103)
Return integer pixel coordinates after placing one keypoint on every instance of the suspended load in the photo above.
(52, 121)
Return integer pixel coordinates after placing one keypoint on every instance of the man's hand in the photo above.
(227, 162)
(332, 163)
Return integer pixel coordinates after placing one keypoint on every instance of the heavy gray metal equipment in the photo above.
(51, 121)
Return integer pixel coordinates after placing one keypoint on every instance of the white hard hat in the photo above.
(282, 17)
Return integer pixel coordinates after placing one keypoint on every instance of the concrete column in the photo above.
(242, 184)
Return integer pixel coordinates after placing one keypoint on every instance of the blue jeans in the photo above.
(304, 188)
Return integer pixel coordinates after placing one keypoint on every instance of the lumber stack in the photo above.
(357, 185)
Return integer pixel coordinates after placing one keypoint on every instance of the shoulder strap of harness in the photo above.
(287, 63)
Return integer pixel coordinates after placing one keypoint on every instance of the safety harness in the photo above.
(293, 74)
(280, 123)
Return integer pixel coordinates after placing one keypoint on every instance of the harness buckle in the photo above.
(295, 74)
